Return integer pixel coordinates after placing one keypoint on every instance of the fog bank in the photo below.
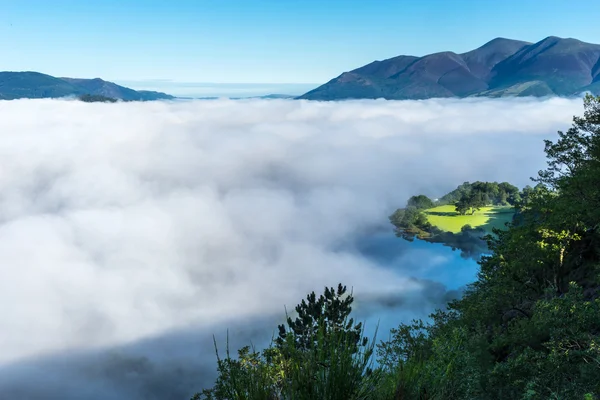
(121, 224)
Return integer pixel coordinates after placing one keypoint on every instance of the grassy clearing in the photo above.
(447, 219)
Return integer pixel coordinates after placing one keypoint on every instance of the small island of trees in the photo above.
(463, 217)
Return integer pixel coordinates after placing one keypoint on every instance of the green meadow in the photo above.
(447, 219)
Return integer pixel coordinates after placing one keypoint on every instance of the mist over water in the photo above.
(131, 233)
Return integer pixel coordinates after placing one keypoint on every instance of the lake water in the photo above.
(420, 259)
(442, 272)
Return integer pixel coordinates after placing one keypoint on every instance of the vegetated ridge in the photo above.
(502, 67)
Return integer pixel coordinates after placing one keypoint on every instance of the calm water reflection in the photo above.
(419, 259)
(442, 272)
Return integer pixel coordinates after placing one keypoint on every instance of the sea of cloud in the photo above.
(131, 232)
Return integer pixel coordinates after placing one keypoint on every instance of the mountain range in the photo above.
(502, 67)
(35, 85)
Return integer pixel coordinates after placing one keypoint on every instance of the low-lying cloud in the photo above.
(121, 224)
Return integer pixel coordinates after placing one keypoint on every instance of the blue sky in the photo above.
(263, 41)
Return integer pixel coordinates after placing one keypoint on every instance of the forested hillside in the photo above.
(527, 328)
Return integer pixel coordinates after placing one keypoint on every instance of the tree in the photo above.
(456, 194)
(462, 206)
(330, 311)
(471, 201)
(574, 165)
(477, 200)
(420, 202)
(410, 222)
(502, 199)
(321, 356)
(509, 193)
(526, 195)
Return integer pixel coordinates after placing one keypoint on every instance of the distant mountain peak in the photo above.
(561, 39)
(500, 43)
(501, 67)
(501, 39)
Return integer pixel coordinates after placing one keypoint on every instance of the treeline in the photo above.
(473, 196)
(498, 194)
(528, 328)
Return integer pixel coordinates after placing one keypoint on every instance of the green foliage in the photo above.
(563, 359)
(322, 355)
(329, 312)
(335, 369)
(463, 205)
(410, 222)
(490, 193)
(253, 376)
(472, 197)
(420, 202)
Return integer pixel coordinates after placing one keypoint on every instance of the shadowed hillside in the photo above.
(501, 67)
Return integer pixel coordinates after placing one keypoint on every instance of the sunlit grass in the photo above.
(447, 219)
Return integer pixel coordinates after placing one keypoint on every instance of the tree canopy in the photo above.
(330, 311)
(494, 193)
(473, 196)
(420, 202)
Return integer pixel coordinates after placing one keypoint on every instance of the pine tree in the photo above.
(326, 314)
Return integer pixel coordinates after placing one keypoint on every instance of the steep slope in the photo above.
(437, 75)
(482, 60)
(596, 72)
(501, 67)
(349, 85)
(386, 68)
(366, 82)
(564, 65)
